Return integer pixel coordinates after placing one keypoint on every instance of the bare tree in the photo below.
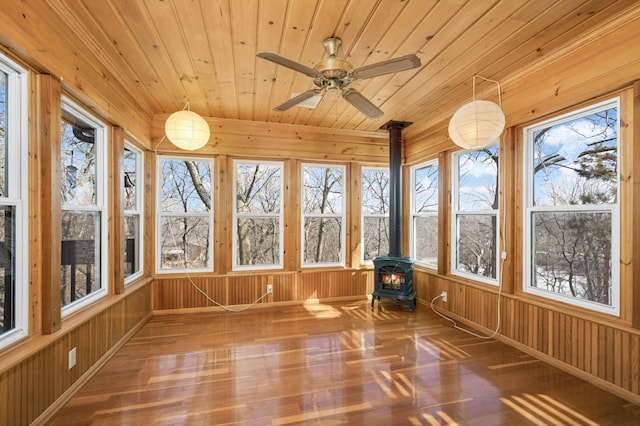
(375, 211)
(322, 206)
(185, 213)
(258, 198)
(572, 251)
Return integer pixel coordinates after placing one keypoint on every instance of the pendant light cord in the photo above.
(503, 257)
(497, 83)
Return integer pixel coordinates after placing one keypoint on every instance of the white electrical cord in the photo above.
(455, 324)
(226, 308)
(186, 271)
(503, 256)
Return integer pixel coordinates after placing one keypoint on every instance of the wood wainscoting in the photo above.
(180, 292)
(603, 352)
(35, 380)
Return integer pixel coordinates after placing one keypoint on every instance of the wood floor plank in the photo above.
(330, 364)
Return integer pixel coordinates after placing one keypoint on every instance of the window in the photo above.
(14, 307)
(572, 218)
(475, 214)
(257, 223)
(132, 204)
(84, 216)
(323, 210)
(185, 215)
(375, 212)
(424, 214)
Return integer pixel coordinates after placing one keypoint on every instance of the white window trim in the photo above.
(415, 215)
(18, 192)
(101, 137)
(455, 212)
(139, 211)
(342, 216)
(236, 215)
(529, 209)
(160, 214)
(364, 215)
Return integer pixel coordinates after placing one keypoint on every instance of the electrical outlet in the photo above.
(72, 358)
(443, 296)
(269, 288)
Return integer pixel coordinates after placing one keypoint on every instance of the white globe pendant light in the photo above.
(477, 124)
(187, 130)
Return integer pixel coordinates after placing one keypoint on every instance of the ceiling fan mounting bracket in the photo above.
(332, 45)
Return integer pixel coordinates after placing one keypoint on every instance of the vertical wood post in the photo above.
(116, 213)
(444, 218)
(49, 116)
(635, 259)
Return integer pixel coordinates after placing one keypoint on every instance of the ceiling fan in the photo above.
(334, 74)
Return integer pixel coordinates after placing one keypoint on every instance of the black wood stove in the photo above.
(393, 274)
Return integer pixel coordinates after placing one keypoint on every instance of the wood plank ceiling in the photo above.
(168, 52)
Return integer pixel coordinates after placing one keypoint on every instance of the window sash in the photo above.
(171, 239)
(277, 216)
(459, 212)
(191, 260)
(97, 209)
(416, 251)
(531, 209)
(378, 248)
(15, 197)
(422, 214)
(324, 218)
(493, 242)
(133, 252)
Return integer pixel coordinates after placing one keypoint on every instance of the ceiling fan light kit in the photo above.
(333, 74)
(187, 130)
(479, 123)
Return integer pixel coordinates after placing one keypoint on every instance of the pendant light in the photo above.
(187, 130)
(479, 123)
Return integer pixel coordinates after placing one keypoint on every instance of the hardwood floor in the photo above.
(331, 364)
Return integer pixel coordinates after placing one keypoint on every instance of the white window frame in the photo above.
(160, 214)
(18, 191)
(613, 209)
(455, 212)
(364, 215)
(101, 136)
(138, 211)
(415, 215)
(342, 216)
(236, 215)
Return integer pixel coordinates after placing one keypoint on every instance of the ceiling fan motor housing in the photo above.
(333, 67)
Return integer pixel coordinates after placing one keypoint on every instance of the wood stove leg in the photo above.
(373, 301)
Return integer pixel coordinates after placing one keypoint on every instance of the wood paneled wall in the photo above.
(599, 348)
(604, 352)
(283, 141)
(37, 381)
(34, 379)
(292, 287)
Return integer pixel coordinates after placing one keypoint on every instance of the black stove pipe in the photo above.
(395, 185)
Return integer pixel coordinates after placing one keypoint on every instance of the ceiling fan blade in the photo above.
(285, 62)
(362, 104)
(297, 99)
(402, 63)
